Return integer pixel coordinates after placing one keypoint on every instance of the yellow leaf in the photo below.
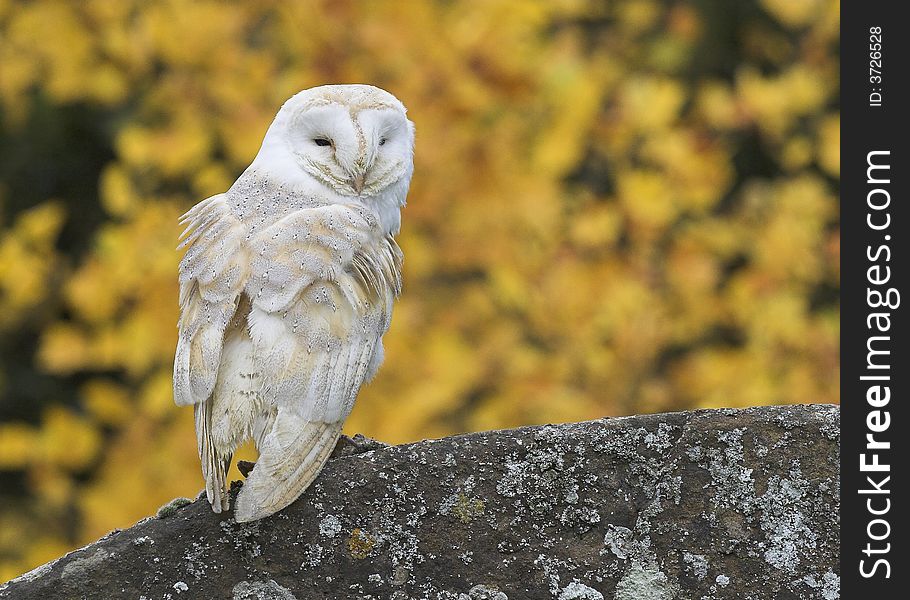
(17, 443)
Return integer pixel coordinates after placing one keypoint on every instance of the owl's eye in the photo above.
(321, 141)
(382, 141)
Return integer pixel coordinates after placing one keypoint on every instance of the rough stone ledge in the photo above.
(705, 505)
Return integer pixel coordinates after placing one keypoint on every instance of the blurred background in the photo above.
(618, 207)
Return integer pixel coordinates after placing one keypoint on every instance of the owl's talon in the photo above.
(358, 444)
(245, 467)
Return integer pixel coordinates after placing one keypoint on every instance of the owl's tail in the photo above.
(214, 466)
(290, 458)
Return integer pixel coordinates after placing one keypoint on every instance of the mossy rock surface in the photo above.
(710, 504)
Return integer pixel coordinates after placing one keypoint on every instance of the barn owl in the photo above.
(286, 290)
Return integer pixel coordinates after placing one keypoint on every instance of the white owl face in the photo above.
(355, 139)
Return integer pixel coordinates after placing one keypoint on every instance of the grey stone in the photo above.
(706, 504)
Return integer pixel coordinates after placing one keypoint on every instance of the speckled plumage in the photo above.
(286, 289)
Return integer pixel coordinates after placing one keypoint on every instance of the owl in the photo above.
(286, 289)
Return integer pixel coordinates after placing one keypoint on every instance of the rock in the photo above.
(709, 505)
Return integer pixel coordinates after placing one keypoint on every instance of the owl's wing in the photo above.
(212, 276)
(322, 283)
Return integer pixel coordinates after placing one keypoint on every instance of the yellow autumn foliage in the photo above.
(618, 207)
(27, 256)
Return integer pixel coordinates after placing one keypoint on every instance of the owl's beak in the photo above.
(358, 181)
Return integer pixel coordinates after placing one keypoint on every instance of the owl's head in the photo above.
(355, 139)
